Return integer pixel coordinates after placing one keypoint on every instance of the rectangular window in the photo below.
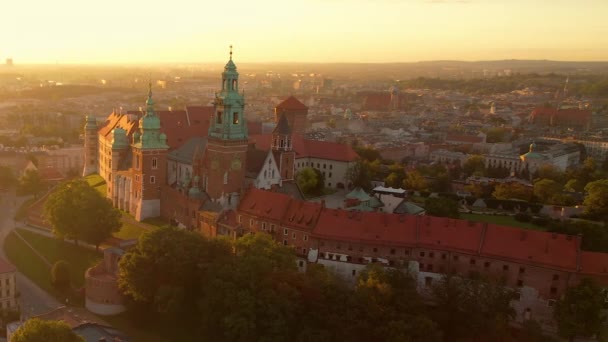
(443, 256)
(250, 222)
(392, 251)
(486, 264)
(235, 118)
(284, 242)
(285, 231)
(152, 179)
(305, 237)
(555, 277)
(219, 117)
(422, 254)
(304, 251)
(432, 254)
(429, 267)
(272, 228)
(553, 290)
(154, 163)
(293, 235)
(375, 249)
(472, 261)
(264, 226)
(455, 257)
(240, 219)
(522, 270)
(300, 263)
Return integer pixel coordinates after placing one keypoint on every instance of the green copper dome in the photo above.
(531, 155)
(150, 136)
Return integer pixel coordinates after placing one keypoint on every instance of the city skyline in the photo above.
(316, 31)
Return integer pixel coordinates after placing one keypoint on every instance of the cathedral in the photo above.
(188, 166)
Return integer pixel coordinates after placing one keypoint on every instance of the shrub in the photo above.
(540, 221)
(60, 275)
(523, 217)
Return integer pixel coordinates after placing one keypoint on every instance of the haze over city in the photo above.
(303, 31)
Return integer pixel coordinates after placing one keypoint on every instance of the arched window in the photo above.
(225, 178)
(234, 85)
(235, 118)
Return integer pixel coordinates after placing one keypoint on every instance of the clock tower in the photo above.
(227, 141)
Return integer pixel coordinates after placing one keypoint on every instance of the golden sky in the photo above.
(134, 31)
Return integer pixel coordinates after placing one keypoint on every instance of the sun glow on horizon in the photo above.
(114, 31)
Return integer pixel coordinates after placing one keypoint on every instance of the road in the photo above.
(34, 301)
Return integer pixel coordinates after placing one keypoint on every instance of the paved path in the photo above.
(34, 300)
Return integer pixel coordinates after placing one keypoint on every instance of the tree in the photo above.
(309, 181)
(396, 176)
(574, 185)
(415, 181)
(442, 207)
(548, 171)
(473, 307)
(474, 165)
(30, 183)
(513, 190)
(60, 275)
(362, 173)
(596, 201)
(37, 330)
(546, 190)
(580, 311)
(78, 211)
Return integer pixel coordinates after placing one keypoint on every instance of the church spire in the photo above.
(149, 101)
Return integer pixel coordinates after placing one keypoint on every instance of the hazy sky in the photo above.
(118, 31)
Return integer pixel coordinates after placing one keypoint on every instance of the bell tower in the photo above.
(90, 146)
(227, 140)
(149, 167)
(282, 148)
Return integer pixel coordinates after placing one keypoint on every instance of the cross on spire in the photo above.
(230, 51)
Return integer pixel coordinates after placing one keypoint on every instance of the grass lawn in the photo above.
(97, 182)
(129, 231)
(78, 258)
(156, 221)
(503, 220)
(22, 211)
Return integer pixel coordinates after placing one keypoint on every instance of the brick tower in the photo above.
(227, 141)
(296, 113)
(149, 150)
(283, 150)
(90, 146)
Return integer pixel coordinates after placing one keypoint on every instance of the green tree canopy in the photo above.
(474, 166)
(309, 181)
(37, 330)
(473, 307)
(396, 176)
(415, 181)
(596, 201)
(60, 275)
(30, 183)
(513, 190)
(580, 311)
(442, 207)
(78, 211)
(546, 190)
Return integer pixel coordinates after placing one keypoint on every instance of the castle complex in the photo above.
(200, 168)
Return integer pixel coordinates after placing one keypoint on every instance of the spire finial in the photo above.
(230, 51)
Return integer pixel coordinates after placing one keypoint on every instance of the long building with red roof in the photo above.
(540, 265)
(566, 118)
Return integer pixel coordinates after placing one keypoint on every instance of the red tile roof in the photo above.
(291, 103)
(449, 234)
(594, 263)
(270, 205)
(178, 125)
(549, 249)
(559, 116)
(6, 267)
(366, 227)
(302, 215)
(310, 148)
